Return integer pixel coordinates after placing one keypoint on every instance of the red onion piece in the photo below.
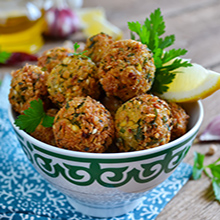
(212, 131)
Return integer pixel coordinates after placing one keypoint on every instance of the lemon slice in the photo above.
(192, 83)
(94, 21)
(87, 14)
(96, 26)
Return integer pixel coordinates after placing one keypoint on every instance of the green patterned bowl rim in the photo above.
(184, 139)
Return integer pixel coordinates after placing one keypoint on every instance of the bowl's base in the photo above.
(104, 212)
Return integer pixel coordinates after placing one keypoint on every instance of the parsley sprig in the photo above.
(76, 46)
(150, 33)
(33, 116)
(212, 171)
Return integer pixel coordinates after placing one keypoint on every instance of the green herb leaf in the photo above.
(76, 46)
(198, 165)
(33, 116)
(150, 34)
(166, 42)
(172, 54)
(215, 170)
(4, 56)
(216, 188)
(47, 121)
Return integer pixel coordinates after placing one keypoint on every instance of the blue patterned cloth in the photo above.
(24, 194)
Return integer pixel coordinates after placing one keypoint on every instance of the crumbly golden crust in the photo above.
(83, 124)
(75, 76)
(52, 57)
(143, 122)
(180, 120)
(27, 84)
(127, 69)
(96, 46)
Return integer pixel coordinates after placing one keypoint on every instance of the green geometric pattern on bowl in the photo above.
(86, 171)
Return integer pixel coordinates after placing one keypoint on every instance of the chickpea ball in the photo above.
(143, 122)
(27, 84)
(75, 77)
(52, 57)
(126, 70)
(96, 46)
(180, 120)
(84, 124)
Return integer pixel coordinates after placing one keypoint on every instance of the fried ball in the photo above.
(27, 84)
(75, 77)
(83, 124)
(45, 134)
(127, 69)
(50, 58)
(143, 122)
(180, 120)
(96, 46)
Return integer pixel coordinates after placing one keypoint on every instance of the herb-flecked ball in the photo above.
(180, 120)
(76, 76)
(127, 69)
(84, 124)
(52, 57)
(143, 122)
(27, 84)
(96, 46)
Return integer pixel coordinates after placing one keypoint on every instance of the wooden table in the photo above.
(196, 25)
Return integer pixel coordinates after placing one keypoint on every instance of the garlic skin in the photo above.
(212, 131)
(61, 20)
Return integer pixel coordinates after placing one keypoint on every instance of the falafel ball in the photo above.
(83, 124)
(52, 57)
(143, 122)
(180, 120)
(45, 134)
(97, 45)
(75, 76)
(127, 69)
(27, 84)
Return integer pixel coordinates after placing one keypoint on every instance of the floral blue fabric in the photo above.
(24, 194)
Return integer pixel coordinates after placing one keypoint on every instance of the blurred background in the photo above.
(33, 26)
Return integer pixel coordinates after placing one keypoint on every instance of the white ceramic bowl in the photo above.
(108, 184)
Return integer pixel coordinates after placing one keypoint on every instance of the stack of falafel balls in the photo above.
(100, 99)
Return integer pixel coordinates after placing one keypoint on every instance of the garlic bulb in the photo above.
(212, 131)
(61, 20)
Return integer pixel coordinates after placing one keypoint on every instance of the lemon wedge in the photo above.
(87, 14)
(192, 84)
(94, 21)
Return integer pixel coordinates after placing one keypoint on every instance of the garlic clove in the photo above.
(61, 21)
(212, 131)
